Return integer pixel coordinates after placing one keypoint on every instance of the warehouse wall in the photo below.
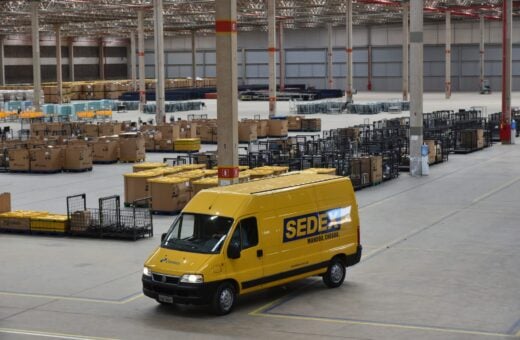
(306, 53)
(19, 66)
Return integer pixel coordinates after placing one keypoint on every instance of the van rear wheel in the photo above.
(335, 274)
(224, 299)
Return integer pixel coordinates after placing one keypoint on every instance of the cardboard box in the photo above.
(137, 186)
(165, 145)
(46, 159)
(169, 131)
(294, 123)
(91, 130)
(5, 202)
(78, 157)
(247, 131)
(149, 143)
(480, 138)
(80, 221)
(19, 160)
(131, 147)
(432, 151)
(109, 129)
(311, 124)
(262, 128)
(105, 151)
(349, 133)
(188, 130)
(208, 133)
(278, 128)
(376, 169)
(15, 223)
(360, 171)
(169, 194)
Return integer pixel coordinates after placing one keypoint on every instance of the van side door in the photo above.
(247, 269)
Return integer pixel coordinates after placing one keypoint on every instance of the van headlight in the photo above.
(147, 271)
(192, 278)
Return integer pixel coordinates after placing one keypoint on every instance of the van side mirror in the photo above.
(233, 251)
(163, 237)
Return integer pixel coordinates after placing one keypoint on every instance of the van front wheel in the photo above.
(335, 274)
(224, 299)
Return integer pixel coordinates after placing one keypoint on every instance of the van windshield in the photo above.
(198, 233)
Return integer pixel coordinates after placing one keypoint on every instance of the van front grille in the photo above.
(165, 278)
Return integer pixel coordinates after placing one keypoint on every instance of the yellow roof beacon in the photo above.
(230, 241)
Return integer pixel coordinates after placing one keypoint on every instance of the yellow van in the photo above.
(229, 241)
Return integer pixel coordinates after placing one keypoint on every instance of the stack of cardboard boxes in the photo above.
(247, 131)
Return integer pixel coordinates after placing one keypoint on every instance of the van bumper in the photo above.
(356, 257)
(195, 294)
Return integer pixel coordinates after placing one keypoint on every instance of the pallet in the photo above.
(105, 162)
(19, 171)
(165, 213)
(77, 170)
(132, 162)
(16, 231)
(465, 151)
(43, 172)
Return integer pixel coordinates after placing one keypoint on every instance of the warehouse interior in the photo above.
(115, 114)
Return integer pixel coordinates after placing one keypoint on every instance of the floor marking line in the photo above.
(50, 335)
(384, 325)
(496, 190)
(426, 183)
(70, 298)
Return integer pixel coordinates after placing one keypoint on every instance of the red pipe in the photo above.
(505, 128)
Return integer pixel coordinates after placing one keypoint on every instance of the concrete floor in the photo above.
(441, 261)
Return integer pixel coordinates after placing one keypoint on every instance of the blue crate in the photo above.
(49, 109)
(94, 105)
(79, 107)
(14, 106)
(26, 104)
(107, 104)
(65, 110)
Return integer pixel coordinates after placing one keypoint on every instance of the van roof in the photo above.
(268, 185)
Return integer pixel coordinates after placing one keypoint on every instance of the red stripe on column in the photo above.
(225, 26)
(349, 50)
(272, 49)
(226, 172)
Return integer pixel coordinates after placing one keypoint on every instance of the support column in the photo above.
(227, 91)
(244, 66)
(133, 61)
(71, 59)
(350, 64)
(37, 80)
(193, 58)
(330, 76)
(281, 49)
(448, 56)
(507, 29)
(140, 54)
(406, 51)
(101, 59)
(369, 59)
(59, 74)
(2, 69)
(416, 86)
(159, 62)
(482, 52)
(271, 28)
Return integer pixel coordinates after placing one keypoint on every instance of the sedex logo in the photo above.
(315, 224)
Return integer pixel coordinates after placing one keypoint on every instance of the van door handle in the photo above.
(259, 253)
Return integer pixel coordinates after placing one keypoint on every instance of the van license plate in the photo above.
(165, 298)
